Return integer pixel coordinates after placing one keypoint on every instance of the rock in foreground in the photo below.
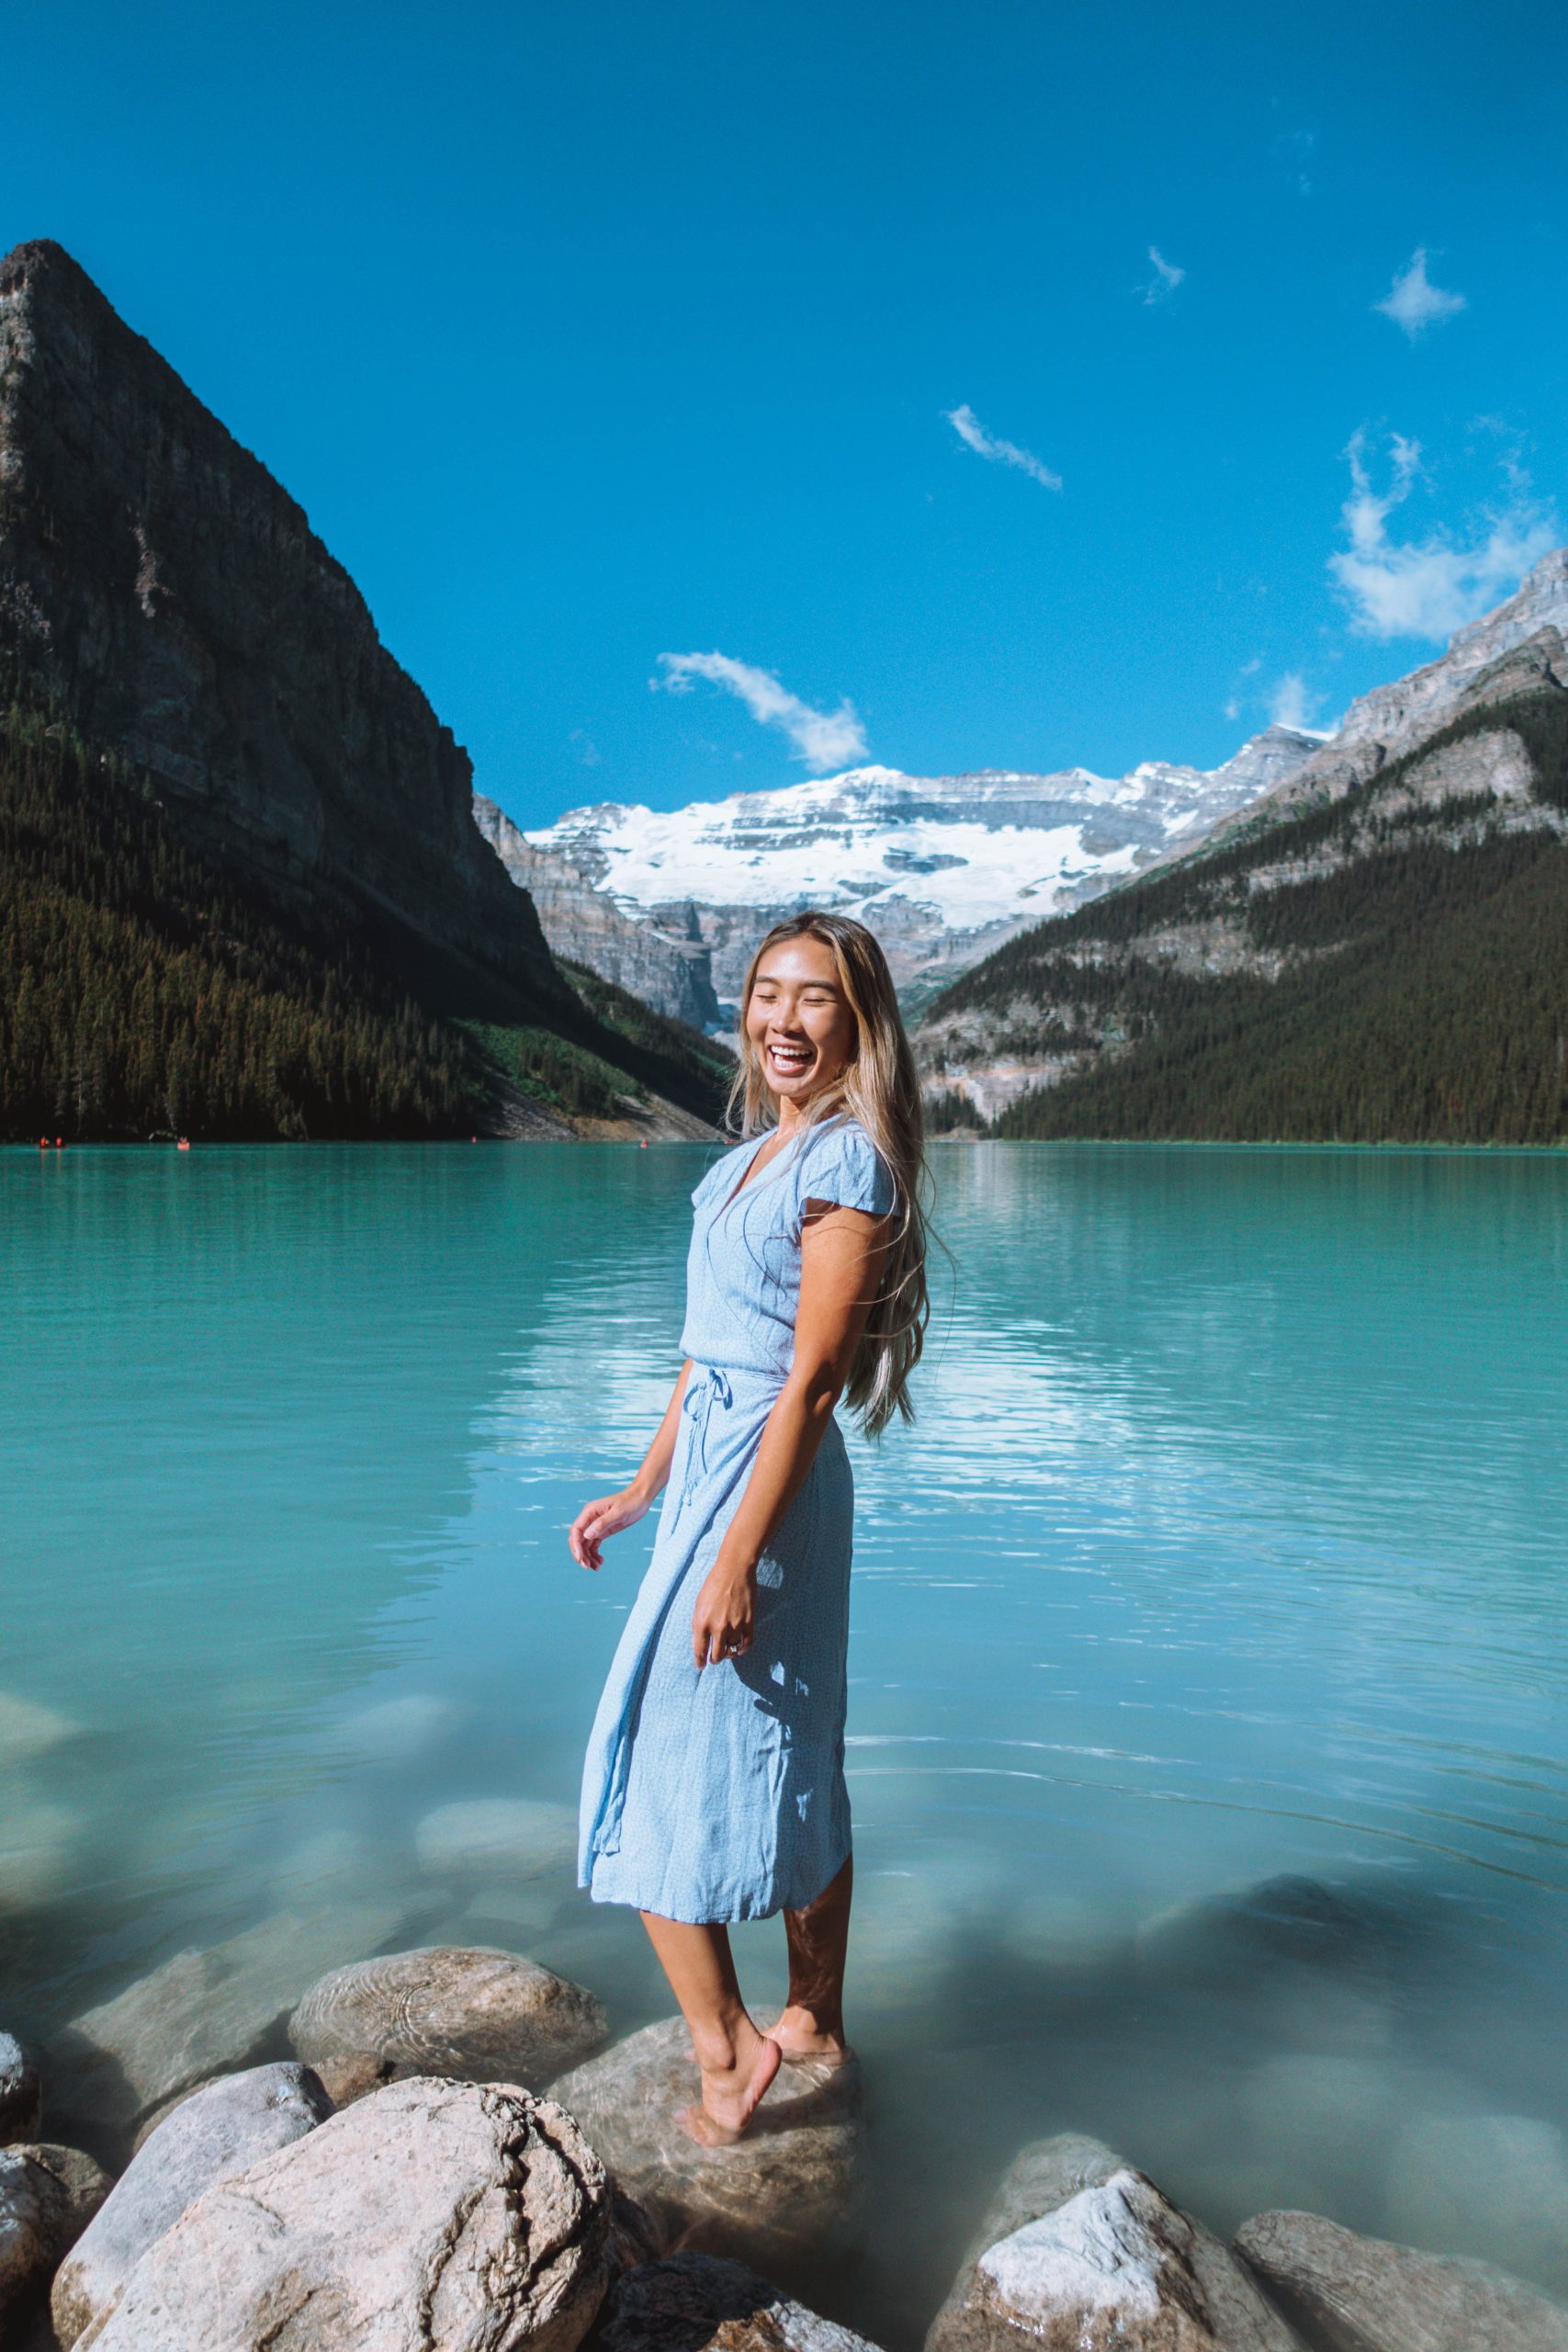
(214, 2134)
(1078, 2253)
(696, 2302)
(777, 2195)
(1362, 2295)
(21, 2100)
(431, 2217)
(48, 2195)
(486, 2016)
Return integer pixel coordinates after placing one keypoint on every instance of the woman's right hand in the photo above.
(604, 1517)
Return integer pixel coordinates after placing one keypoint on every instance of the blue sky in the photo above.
(994, 380)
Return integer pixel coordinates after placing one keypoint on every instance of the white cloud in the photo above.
(1431, 586)
(823, 739)
(973, 435)
(1413, 301)
(1166, 280)
(1291, 705)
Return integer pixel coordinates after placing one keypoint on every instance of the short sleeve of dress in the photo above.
(846, 1167)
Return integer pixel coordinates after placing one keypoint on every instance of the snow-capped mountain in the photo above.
(945, 869)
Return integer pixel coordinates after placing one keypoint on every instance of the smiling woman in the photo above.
(714, 1787)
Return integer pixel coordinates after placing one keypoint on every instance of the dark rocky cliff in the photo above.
(160, 585)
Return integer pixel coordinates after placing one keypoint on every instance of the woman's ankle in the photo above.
(726, 2043)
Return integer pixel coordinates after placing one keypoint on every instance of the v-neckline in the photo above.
(750, 1169)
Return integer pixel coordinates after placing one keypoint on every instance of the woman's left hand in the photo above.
(724, 1617)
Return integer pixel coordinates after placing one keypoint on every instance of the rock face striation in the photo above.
(945, 869)
(668, 963)
(159, 582)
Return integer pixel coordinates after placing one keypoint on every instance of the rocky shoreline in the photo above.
(457, 2156)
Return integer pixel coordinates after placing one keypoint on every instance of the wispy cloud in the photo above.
(1414, 303)
(1164, 282)
(588, 751)
(1288, 702)
(1429, 587)
(1291, 704)
(822, 739)
(973, 435)
(1295, 148)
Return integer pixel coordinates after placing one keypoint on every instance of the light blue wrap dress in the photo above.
(720, 1795)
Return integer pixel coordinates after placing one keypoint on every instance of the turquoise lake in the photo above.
(1209, 1743)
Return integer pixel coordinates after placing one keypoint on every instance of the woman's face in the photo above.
(799, 1020)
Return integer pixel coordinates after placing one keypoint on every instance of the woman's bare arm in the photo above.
(841, 1253)
(609, 1514)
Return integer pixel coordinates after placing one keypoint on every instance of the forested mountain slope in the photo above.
(244, 891)
(1387, 960)
(144, 990)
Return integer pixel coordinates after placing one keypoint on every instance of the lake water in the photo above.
(1227, 1549)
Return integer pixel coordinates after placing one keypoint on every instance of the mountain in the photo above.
(943, 867)
(669, 968)
(1376, 950)
(208, 754)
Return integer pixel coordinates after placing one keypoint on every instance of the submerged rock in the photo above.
(486, 2016)
(27, 1730)
(1360, 2295)
(1078, 2253)
(1318, 1963)
(698, 2302)
(201, 2014)
(395, 1731)
(48, 2195)
(1492, 2186)
(491, 1837)
(775, 2196)
(431, 2213)
(21, 2095)
(37, 1843)
(217, 2132)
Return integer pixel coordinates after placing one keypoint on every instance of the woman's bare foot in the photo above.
(732, 2097)
(799, 2038)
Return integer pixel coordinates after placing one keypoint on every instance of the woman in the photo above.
(714, 1788)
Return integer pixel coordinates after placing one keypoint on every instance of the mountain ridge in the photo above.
(943, 868)
(1378, 952)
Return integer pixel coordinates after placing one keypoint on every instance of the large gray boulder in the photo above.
(48, 2195)
(1078, 2253)
(771, 2199)
(217, 2132)
(698, 2302)
(430, 2217)
(1360, 2295)
(487, 2016)
(21, 2097)
(203, 2013)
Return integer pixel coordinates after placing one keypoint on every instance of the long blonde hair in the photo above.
(878, 1087)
